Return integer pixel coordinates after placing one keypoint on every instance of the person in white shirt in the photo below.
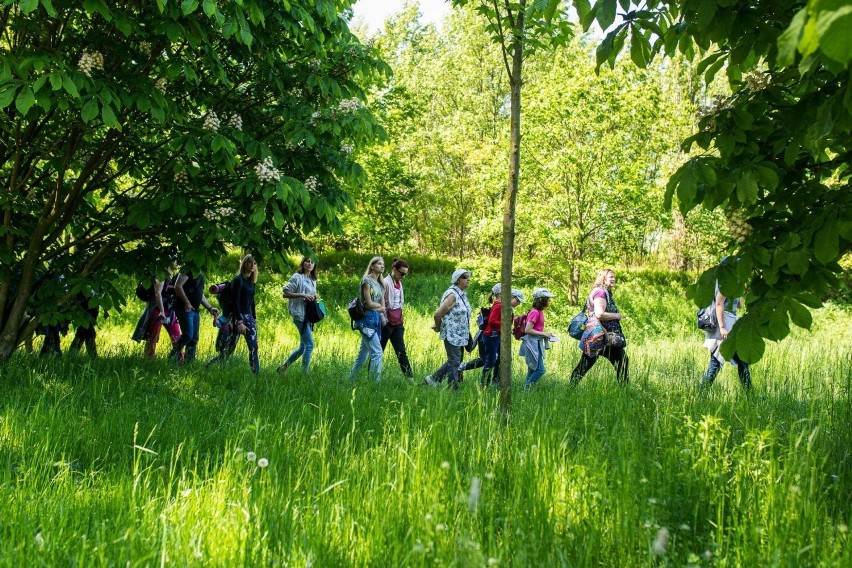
(393, 327)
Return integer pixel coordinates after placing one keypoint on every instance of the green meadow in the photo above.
(126, 461)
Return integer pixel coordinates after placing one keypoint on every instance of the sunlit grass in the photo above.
(123, 460)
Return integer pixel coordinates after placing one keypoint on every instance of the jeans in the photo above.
(615, 355)
(451, 367)
(533, 375)
(371, 346)
(189, 328)
(85, 336)
(715, 366)
(305, 348)
(492, 354)
(396, 336)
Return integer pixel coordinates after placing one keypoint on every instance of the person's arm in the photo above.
(368, 300)
(158, 295)
(181, 279)
(443, 310)
(720, 315)
(601, 313)
(210, 309)
(289, 290)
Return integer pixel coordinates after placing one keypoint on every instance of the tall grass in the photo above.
(122, 460)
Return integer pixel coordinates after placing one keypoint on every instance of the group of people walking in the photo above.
(178, 296)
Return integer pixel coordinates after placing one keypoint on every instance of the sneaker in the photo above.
(428, 380)
(283, 367)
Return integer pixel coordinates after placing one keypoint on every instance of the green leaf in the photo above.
(259, 216)
(834, 28)
(827, 240)
(640, 49)
(70, 87)
(187, 7)
(606, 13)
(7, 95)
(90, 110)
(788, 40)
(209, 7)
(108, 116)
(799, 261)
(800, 315)
(277, 218)
(747, 188)
(27, 6)
(25, 100)
(745, 340)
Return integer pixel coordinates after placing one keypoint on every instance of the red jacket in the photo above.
(493, 323)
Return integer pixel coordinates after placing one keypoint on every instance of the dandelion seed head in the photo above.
(428, 517)
(707, 554)
(440, 527)
(842, 528)
(661, 542)
(251, 456)
(445, 465)
(489, 476)
(684, 527)
(262, 463)
(186, 493)
(39, 540)
(493, 562)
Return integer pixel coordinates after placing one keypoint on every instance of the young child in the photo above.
(533, 342)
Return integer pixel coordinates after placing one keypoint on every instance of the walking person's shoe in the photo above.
(282, 368)
(430, 382)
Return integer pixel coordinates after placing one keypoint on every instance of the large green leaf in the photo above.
(745, 340)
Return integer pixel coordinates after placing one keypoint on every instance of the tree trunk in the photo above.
(509, 200)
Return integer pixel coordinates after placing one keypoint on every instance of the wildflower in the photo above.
(440, 527)
(419, 548)
(262, 463)
(39, 540)
(473, 494)
(842, 528)
(251, 456)
(652, 500)
(489, 476)
(661, 543)
(428, 517)
(445, 465)
(90, 62)
(186, 493)
(557, 222)
(212, 122)
(493, 561)
(707, 554)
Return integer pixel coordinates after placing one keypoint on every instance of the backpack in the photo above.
(145, 293)
(482, 318)
(705, 318)
(226, 297)
(519, 326)
(357, 310)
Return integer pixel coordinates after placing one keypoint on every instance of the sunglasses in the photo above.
(401, 273)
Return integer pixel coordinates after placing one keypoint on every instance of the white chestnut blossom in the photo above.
(181, 176)
(160, 85)
(145, 47)
(212, 122)
(90, 62)
(266, 171)
(311, 184)
(349, 105)
(236, 122)
(347, 148)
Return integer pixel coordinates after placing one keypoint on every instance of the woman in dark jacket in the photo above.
(242, 291)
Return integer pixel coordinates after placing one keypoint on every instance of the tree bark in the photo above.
(509, 201)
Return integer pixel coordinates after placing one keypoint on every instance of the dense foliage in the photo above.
(775, 154)
(132, 129)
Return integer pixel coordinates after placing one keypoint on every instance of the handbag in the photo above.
(578, 325)
(472, 341)
(616, 339)
(394, 317)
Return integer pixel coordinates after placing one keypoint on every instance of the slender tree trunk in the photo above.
(509, 200)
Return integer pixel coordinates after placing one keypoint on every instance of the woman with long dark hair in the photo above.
(301, 287)
(243, 288)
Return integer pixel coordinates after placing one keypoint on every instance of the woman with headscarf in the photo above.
(452, 322)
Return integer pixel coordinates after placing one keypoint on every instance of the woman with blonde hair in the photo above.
(603, 336)
(242, 291)
(371, 292)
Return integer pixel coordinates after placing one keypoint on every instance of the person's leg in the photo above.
(713, 368)
(153, 333)
(582, 368)
(454, 359)
(618, 357)
(299, 350)
(363, 354)
(397, 339)
(194, 333)
(492, 351)
(743, 372)
(184, 339)
(386, 334)
(533, 375)
(376, 356)
(307, 339)
(77, 342)
(90, 340)
(251, 342)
